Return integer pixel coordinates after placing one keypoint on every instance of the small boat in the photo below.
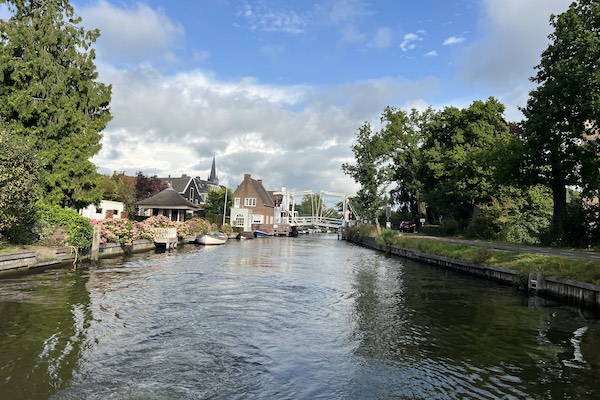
(260, 234)
(233, 235)
(212, 238)
(246, 235)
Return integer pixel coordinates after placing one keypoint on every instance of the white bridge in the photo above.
(321, 216)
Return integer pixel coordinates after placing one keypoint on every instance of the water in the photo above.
(286, 318)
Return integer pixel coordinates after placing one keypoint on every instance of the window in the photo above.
(236, 202)
(192, 194)
(239, 220)
(257, 219)
(250, 202)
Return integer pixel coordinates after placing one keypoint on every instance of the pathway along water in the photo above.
(285, 318)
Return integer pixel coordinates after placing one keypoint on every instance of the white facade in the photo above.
(241, 217)
(105, 208)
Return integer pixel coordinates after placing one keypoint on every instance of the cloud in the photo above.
(409, 41)
(293, 136)
(383, 38)
(132, 35)
(513, 35)
(452, 40)
(260, 17)
(429, 54)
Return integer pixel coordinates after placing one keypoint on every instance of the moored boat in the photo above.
(260, 234)
(211, 238)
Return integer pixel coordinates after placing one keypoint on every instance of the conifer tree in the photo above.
(50, 95)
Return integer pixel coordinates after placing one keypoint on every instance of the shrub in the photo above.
(118, 230)
(226, 228)
(387, 237)
(198, 226)
(79, 230)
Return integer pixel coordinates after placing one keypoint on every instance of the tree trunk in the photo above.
(559, 198)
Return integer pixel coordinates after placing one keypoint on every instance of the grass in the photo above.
(562, 267)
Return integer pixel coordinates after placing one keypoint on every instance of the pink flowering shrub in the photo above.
(226, 228)
(147, 226)
(183, 230)
(117, 230)
(198, 226)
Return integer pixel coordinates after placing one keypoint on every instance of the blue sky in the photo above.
(278, 89)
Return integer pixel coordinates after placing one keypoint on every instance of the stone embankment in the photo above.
(580, 293)
(39, 258)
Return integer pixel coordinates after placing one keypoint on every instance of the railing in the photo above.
(165, 237)
(315, 221)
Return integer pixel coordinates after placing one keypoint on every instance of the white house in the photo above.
(106, 209)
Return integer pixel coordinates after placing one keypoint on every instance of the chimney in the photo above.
(246, 177)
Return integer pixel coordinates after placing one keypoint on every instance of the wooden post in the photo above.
(95, 243)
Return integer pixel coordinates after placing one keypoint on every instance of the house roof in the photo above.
(168, 198)
(179, 184)
(257, 187)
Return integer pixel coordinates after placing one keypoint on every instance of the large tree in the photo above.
(371, 171)
(50, 95)
(464, 151)
(565, 108)
(215, 201)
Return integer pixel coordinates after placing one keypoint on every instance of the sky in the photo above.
(279, 88)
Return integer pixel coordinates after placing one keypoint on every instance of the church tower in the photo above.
(212, 178)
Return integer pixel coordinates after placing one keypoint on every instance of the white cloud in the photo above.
(409, 41)
(259, 17)
(452, 40)
(432, 53)
(131, 34)
(351, 35)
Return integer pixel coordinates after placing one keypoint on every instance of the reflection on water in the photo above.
(286, 318)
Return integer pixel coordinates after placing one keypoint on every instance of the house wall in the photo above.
(106, 209)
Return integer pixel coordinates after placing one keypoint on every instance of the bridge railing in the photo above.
(316, 221)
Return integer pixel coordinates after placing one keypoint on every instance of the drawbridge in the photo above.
(321, 216)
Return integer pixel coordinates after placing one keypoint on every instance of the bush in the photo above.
(118, 230)
(358, 232)
(198, 226)
(78, 229)
(388, 237)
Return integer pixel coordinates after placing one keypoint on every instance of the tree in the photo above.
(19, 189)
(119, 187)
(565, 107)
(464, 153)
(215, 201)
(49, 94)
(370, 171)
(147, 186)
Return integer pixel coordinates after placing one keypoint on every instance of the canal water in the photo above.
(286, 318)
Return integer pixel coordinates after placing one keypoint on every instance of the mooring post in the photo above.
(95, 243)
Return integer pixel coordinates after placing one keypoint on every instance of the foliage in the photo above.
(215, 201)
(52, 217)
(462, 151)
(226, 228)
(387, 237)
(358, 232)
(514, 215)
(370, 171)
(564, 108)
(146, 187)
(49, 94)
(119, 187)
(19, 187)
(198, 226)
(118, 230)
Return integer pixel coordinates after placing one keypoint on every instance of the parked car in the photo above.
(407, 226)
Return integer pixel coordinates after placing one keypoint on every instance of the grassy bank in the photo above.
(562, 267)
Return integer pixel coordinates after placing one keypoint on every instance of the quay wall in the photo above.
(565, 290)
(31, 260)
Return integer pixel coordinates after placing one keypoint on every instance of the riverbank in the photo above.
(566, 290)
(32, 258)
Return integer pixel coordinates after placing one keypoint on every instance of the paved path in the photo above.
(550, 251)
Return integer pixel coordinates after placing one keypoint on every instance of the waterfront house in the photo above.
(252, 205)
(168, 203)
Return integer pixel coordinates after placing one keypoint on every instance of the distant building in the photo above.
(252, 205)
(195, 189)
(105, 210)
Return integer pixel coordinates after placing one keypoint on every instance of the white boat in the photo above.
(212, 238)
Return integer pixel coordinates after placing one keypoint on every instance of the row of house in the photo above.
(185, 196)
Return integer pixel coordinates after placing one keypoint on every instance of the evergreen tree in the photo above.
(49, 94)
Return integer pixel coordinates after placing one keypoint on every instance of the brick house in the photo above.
(252, 206)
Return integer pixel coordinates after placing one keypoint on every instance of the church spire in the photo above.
(212, 178)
